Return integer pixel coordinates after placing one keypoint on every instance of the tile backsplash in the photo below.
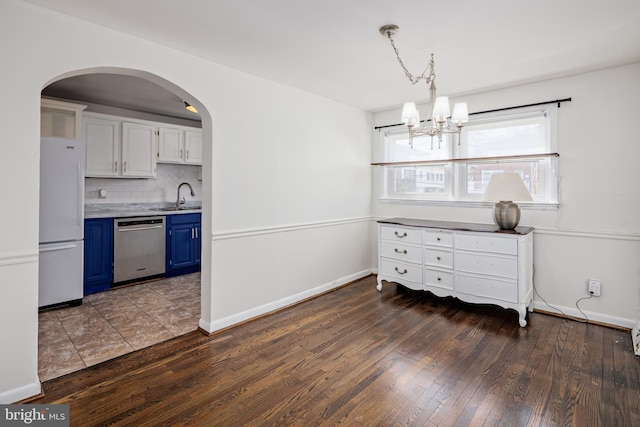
(161, 189)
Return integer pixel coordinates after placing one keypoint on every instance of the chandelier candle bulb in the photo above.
(441, 108)
(460, 113)
(410, 115)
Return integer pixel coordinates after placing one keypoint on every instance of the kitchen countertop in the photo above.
(121, 210)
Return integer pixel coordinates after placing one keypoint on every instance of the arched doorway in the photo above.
(136, 83)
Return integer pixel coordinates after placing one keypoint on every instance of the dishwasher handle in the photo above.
(139, 228)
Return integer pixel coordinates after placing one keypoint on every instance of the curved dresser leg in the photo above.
(522, 310)
(379, 286)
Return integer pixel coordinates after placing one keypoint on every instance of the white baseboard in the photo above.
(20, 393)
(592, 316)
(237, 318)
(234, 319)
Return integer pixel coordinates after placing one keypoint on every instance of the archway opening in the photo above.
(169, 305)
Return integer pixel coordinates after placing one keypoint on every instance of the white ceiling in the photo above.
(333, 47)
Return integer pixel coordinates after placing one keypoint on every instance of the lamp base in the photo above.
(506, 215)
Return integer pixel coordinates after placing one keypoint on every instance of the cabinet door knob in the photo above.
(438, 239)
(401, 272)
(403, 234)
(438, 258)
(400, 252)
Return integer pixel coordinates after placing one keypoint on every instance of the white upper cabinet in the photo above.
(102, 137)
(119, 147)
(138, 150)
(61, 119)
(193, 147)
(170, 145)
(178, 145)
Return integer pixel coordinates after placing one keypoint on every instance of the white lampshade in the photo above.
(460, 113)
(506, 187)
(441, 108)
(410, 115)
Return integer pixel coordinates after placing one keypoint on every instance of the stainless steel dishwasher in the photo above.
(138, 248)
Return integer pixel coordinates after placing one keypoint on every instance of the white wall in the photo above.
(596, 231)
(286, 182)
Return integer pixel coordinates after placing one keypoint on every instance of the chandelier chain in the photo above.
(438, 113)
(430, 67)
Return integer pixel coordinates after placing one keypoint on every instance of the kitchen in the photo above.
(136, 213)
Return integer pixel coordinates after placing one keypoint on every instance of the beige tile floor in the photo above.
(119, 321)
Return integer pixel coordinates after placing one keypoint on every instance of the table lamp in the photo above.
(505, 188)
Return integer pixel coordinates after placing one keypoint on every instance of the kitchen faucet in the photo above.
(179, 187)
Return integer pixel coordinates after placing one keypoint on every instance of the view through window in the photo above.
(458, 167)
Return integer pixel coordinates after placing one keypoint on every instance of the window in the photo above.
(518, 140)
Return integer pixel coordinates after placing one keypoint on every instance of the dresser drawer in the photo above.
(401, 270)
(438, 238)
(438, 258)
(487, 264)
(486, 243)
(438, 278)
(487, 287)
(401, 234)
(401, 252)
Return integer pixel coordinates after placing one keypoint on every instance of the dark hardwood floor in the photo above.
(358, 357)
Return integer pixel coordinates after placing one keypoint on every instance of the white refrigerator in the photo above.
(60, 273)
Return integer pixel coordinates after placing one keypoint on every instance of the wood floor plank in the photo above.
(359, 357)
(540, 370)
(626, 378)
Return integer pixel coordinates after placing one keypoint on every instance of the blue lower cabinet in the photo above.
(183, 244)
(98, 254)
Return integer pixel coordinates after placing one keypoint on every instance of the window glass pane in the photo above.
(506, 137)
(398, 148)
(431, 180)
(479, 174)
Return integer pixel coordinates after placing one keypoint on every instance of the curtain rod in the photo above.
(558, 101)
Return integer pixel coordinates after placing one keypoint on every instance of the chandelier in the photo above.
(442, 121)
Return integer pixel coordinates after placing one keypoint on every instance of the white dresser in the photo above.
(477, 263)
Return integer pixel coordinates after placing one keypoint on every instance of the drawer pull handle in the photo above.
(439, 279)
(438, 239)
(401, 272)
(438, 258)
(403, 234)
(400, 252)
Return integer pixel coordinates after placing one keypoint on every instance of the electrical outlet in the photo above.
(594, 287)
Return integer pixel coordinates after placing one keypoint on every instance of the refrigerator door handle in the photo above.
(80, 186)
(58, 248)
